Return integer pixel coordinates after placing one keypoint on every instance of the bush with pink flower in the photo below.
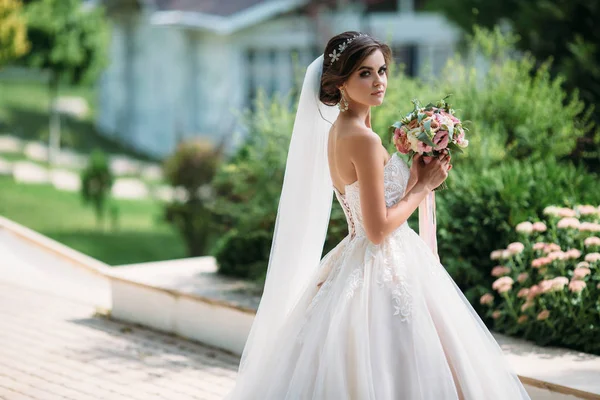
(547, 287)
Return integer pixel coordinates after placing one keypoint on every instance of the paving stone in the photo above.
(61, 351)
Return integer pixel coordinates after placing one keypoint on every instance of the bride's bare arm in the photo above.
(379, 221)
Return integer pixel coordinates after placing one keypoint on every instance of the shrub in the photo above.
(96, 183)
(482, 205)
(549, 282)
(512, 105)
(192, 166)
(248, 187)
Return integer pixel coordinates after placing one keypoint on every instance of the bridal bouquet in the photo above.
(432, 130)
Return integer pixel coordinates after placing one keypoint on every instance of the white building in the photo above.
(182, 68)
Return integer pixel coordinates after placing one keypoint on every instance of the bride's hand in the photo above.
(434, 172)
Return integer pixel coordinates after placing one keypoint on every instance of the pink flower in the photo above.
(539, 246)
(496, 314)
(581, 272)
(524, 227)
(441, 139)
(487, 298)
(550, 247)
(584, 264)
(504, 288)
(504, 281)
(522, 277)
(598, 286)
(523, 292)
(576, 286)
(401, 141)
(516, 247)
(586, 210)
(526, 305)
(500, 270)
(559, 283)
(543, 315)
(545, 286)
(589, 227)
(423, 147)
(522, 319)
(592, 257)
(566, 212)
(573, 254)
(592, 241)
(539, 227)
(503, 285)
(534, 291)
(557, 255)
(540, 262)
(568, 222)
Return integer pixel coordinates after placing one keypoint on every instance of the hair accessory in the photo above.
(335, 55)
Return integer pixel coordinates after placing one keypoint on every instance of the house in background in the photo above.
(183, 68)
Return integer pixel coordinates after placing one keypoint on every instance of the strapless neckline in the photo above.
(356, 181)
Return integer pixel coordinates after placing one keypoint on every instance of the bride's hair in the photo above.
(337, 69)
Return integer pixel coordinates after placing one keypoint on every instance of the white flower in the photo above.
(334, 56)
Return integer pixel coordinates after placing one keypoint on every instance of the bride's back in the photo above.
(343, 142)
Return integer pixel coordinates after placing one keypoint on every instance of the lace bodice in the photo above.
(395, 178)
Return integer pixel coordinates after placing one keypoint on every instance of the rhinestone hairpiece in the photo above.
(335, 55)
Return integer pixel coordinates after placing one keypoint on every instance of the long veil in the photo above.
(300, 228)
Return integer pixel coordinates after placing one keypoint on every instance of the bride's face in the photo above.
(368, 83)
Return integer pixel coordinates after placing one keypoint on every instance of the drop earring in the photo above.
(343, 104)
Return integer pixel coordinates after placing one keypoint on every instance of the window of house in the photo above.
(406, 55)
(382, 6)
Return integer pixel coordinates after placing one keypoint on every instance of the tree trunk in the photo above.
(54, 127)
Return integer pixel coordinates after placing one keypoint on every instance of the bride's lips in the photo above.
(378, 93)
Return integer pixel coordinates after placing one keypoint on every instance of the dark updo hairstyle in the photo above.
(337, 72)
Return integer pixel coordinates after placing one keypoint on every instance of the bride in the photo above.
(378, 317)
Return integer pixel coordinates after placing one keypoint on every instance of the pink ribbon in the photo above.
(427, 223)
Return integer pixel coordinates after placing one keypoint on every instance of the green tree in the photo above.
(561, 30)
(13, 31)
(69, 42)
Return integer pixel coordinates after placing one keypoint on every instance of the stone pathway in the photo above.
(57, 349)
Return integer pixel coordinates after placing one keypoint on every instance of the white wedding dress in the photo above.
(388, 323)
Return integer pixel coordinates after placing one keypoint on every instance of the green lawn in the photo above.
(141, 237)
(24, 113)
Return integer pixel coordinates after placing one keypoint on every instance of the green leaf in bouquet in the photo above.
(429, 106)
(451, 132)
(425, 139)
(427, 126)
(421, 116)
(416, 103)
(455, 147)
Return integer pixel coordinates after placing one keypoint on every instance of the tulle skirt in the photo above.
(383, 322)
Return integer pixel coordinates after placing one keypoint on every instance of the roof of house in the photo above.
(219, 16)
(213, 7)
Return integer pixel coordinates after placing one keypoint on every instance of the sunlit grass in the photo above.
(141, 236)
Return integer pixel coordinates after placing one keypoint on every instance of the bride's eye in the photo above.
(383, 71)
(365, 74)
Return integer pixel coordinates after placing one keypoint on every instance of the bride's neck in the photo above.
(363, 114)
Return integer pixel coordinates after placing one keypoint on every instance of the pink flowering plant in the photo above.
(547, 285)
(432, 130)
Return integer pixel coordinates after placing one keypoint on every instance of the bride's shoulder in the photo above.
(357, 135)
